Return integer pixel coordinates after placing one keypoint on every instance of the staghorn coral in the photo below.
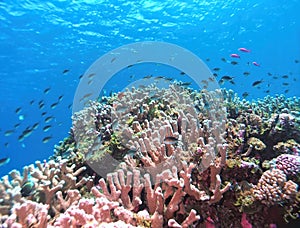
(28, 214)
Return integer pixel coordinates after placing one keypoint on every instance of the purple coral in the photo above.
(288, 163)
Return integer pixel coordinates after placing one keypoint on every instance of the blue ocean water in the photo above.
(49, 44)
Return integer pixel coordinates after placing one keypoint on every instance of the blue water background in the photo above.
(41, 39)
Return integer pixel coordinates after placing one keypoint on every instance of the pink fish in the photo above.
(235, 56)
(255, 64)
(244, 50)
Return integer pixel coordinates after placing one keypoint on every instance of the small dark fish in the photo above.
(17, 125)
(28, 188)
(31, 102)
(205, 82)
(46, 128)
(216, 69)
(185, 83)
(223, 59)
(227, 78)
(47, 90)
(285, 76)
(27, 132)
(296, 61)
(256, 83)
(41, 106)
(182, 73)
(48, 119)
(170, 140)
(158, 77)
(9, 132)
(70, 106)
(90, 76)
(60, 97)
(113, 59)
(234, 62)
(169, 79)
(221, 81)
(46, 139)
(129, 66)
(53, 106)
(35, 126)
(208, 59)
(131, 152)
(215, 74)
(6, 144)
(269, 74)
(4, 161)
(286, 91)
(285, 84)
(147, 76)
(21, 138)
(246, 73)
(232, 82)
(65, 71)
(211, 79)
(245, 94)
(80, 76)
(44, 113)
(86, 96)
(267, 91)
(18, 110)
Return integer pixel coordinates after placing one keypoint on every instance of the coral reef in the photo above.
(41, 183)
(165, 157)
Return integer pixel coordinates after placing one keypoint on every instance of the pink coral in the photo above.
(272, 187)
(29, 214)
